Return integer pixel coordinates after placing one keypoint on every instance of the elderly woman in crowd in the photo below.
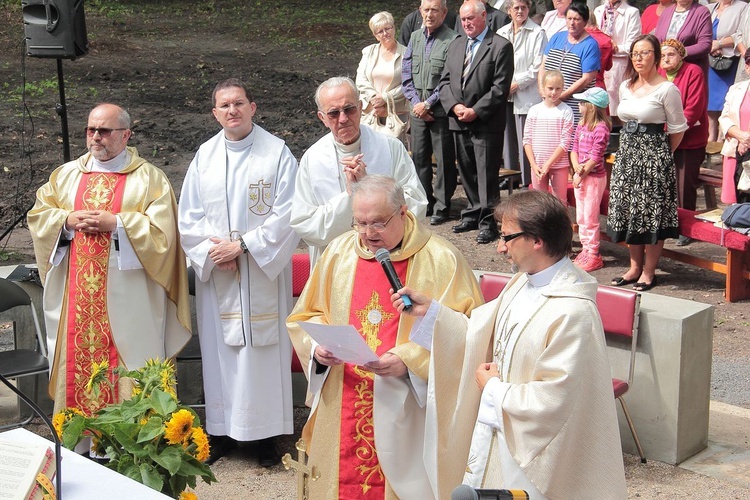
(643, 192)
(379, 71)
(554, 21)
(725, 16)
(575, 54)
(689, 155)
(528, 41)
(734, 124)
(651, 15)
(690, 23)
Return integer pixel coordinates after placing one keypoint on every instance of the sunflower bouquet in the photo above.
(150, 437)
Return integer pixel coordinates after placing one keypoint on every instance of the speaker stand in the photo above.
(62, 111)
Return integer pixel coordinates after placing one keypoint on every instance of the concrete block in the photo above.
(670, 395)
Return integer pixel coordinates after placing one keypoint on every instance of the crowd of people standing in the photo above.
(586, 48)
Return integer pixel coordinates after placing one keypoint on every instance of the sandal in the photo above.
(621, 281)
(644, 287)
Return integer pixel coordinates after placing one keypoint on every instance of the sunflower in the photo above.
(61, 418)
(188, 495)
(98, 374)
(200, 439)
(178, 428)
(168, 383)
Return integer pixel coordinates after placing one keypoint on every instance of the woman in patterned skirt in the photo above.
(643, 192)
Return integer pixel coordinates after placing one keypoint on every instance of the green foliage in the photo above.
(150, 437)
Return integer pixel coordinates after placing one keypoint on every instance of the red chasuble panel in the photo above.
(372, 313)
(89, 336)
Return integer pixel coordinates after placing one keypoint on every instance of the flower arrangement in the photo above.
(150, 437)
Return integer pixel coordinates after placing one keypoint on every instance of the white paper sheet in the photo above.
(343, 341)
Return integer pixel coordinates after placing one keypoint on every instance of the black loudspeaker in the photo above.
(55, 28)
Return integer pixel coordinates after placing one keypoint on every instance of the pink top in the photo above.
(649, 18)
(590, 144)
(546, 129)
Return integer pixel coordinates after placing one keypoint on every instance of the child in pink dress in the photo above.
(546, 138)
(590, 179)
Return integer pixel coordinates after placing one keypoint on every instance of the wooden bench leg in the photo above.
(710, 194)
(738, 286)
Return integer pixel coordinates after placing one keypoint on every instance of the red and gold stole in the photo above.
(372, 313)
(89, 335)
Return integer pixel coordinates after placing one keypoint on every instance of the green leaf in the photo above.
(126, 440)
(150, 477)
(162, 402)
(170, 458)
(72, 431)
(152, 429)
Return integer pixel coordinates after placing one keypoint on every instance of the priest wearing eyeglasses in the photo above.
(529, 400)
(366, 431)
(322, 207)
(104, 229)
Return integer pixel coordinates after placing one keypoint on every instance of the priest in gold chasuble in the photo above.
(115, 282)
(366, 432)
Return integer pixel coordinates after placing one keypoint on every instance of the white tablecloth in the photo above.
(84, 479)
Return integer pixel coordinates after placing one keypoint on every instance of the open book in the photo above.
(26, 471)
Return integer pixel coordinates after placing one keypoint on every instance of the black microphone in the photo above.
(384, 257)
(466, 492)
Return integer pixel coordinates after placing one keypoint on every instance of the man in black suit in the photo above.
(496, 19)
(474, 91)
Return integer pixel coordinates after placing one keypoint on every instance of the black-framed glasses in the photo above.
(641, 55)
(104, 132)
(378, 227)
(348, 111)
(385, 30)
(505, 238)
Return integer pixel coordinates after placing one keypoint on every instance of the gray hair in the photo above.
(123, 117)
(373, 183)
(381, 20)
(443, 3)
(478, 5)
(336, 81)
(510, 5)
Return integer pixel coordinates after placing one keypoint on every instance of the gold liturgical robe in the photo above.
(148, 308)
(438, 269)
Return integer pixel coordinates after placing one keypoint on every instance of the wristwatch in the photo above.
(427, 106)
(243, 246)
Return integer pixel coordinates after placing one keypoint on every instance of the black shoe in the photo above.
(642, 286)
(683, 241)
(268, 452)
(220, 446)
(486, 236)
(438, 219)
(622, 281)
(465, 225)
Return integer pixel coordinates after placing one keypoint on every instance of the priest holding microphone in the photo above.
(366, 432)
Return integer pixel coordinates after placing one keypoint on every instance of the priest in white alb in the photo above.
(529, 404)
(115, 283)
(323, 206)
(234, 213)
(366, 431)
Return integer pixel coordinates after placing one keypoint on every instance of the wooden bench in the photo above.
(708, 178)
(737, 266)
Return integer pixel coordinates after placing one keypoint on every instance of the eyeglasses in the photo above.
(378, 227)
(385, 30)
(348, 111)
(505, 238)
(641, 55)
(519, 8)
(103, 132)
